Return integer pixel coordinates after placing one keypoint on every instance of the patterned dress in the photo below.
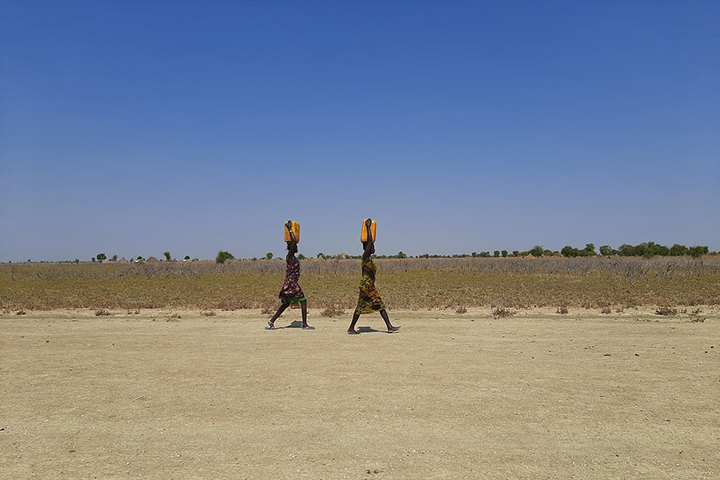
(369, 300)
(291, 291)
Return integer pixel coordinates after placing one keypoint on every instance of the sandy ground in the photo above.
(537, 395)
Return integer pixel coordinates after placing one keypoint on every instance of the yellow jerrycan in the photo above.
(296, 230)
(373, 229)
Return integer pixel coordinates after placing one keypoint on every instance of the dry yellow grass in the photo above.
(409, 284)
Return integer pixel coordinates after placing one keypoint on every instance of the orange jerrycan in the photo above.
(373, 229)
(296, 230)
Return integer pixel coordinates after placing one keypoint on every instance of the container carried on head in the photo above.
(373, 229)
(296, 230)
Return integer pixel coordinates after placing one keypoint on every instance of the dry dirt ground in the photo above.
(536, 395)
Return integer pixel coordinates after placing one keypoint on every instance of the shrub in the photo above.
(666, 311)
(502, 312)
(224, 256)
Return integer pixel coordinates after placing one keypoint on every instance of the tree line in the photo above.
(646, 250)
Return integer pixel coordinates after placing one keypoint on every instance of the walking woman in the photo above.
(291, 291)
(369, 300)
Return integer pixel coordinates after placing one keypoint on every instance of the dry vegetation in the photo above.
(601, 283)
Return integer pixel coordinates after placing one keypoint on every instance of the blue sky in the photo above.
(135, 128)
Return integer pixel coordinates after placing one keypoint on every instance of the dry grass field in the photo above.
(593, 283)
(523, 370)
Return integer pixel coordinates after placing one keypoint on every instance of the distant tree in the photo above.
(698, 251)
(537, 251)
(504, 253)
(649, 250)
(187, 257)
(301, 257)
(473, 254)
(101, 257)
(496, 253)
(400, 255)
(320, 255)
(607, 250)
(114, 258)
(516, 253)
(588, 251)
(223, 257)
(653, 249)
(661, 250)
(269, 255)
(167, 255)
(93, 259)
(77, 260)
(678, 250)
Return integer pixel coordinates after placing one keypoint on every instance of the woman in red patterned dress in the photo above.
(291, 291)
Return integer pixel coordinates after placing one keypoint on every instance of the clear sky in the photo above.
(139, 127)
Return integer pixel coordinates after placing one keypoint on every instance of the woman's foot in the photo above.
(308, 327)
(271, 325)
(353, 332)
(393, 329)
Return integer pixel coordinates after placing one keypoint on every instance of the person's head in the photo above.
(292, 247)
(372, 247)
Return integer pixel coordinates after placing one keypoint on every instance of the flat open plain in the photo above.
(534, 395)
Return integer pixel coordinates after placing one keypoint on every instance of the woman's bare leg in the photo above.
(279, 312)
(389, 325)
(351, 328)
(303, 307)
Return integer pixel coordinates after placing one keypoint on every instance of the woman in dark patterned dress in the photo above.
(370, 300)
(291, 291)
